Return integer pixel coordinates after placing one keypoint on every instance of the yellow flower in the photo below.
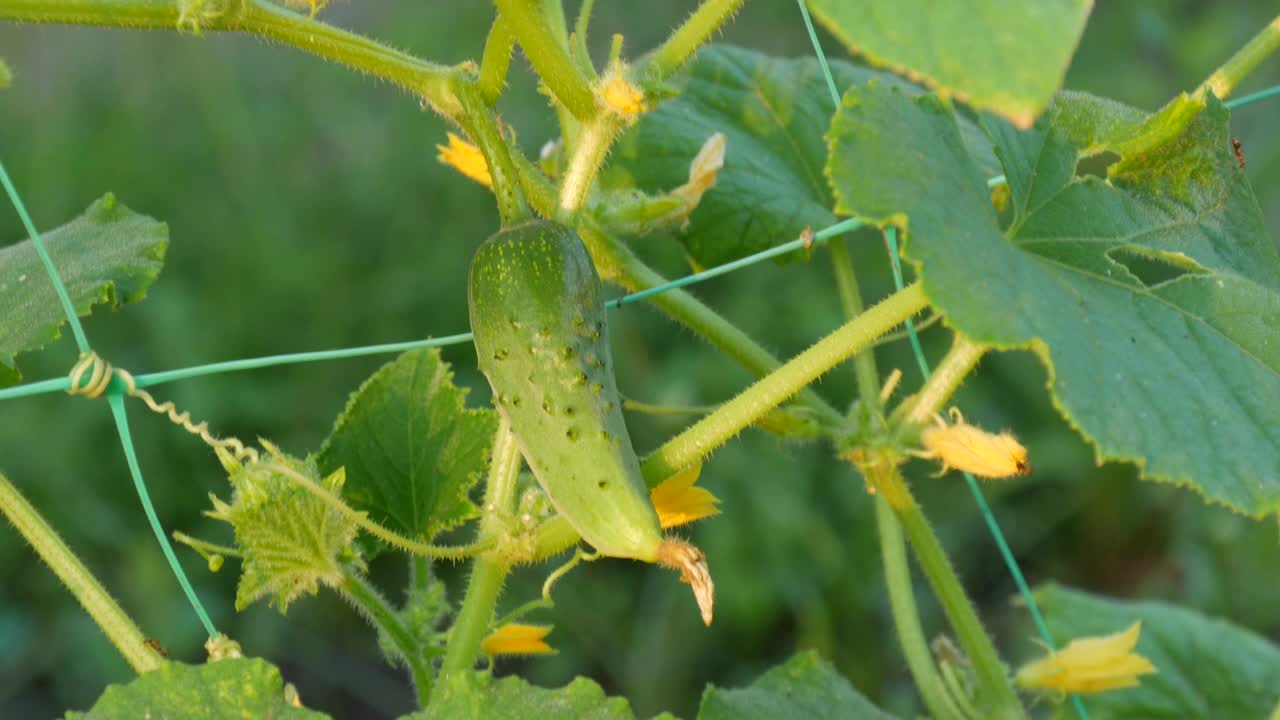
(703, 172)
(621, 96)
(964, 447)
(517, 639)
(1089, 665)
(466, 159)
(678, 501)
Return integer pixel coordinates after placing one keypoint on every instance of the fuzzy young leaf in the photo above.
(1206, 668)
(804, 687)
(773, 113)
(411, 448)
(109, 255)
(1006, 57)
(292, 542)
(1153, 298)
(512, 698)
(225, 690)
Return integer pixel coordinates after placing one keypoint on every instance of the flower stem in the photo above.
(732, 417)
(945, 379)
(427, 80)
(906, 616)
(369, 602)
(110, 617)
(594, 141)
(1225, 79)
(549, 57)
(994, 689)
(496, 60)
(686, 39)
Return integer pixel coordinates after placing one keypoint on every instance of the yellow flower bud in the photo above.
(1089, 665)
(962, 446)
(466, 159)
(621, 96)
(518, 639)
(678, 501)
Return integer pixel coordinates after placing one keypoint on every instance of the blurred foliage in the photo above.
(307, 211)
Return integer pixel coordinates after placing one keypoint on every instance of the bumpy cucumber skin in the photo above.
(537, 314)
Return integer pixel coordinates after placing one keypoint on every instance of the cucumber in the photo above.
(537, 314)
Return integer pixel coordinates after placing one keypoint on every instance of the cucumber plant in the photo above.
(1126, 249)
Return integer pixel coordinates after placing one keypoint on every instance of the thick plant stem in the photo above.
(732, 417)
(960, 360)
(685, 41)
(111, 619)
(489, 571)
(906, 617)
(427, 80)
(594, 141)
(495, 61)
(477, 120)
(995, 691)
(549, 57)
(1225, 79)
(864, 364)
(370, 603)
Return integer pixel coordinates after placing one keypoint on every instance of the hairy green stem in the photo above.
(594, 141)
(906, 617)
(369, 602)
(477, 119)
(496, 60)
(995, 691)
(427, 80)
(864, 364)
(549, 57)
(488, 571)
(579, 46)
(685, 41)
(731, 418)
(1225, 79)
(110, 617)
(960, 360)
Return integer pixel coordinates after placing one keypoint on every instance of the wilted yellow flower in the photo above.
(962, 446)
(518, 639)
(621, 96)
(703, 171)
(466, 159)
(678, 501)
(1089, 665)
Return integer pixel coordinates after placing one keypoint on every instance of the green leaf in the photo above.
(1152, 297)
(109, 255)
(1006, 57)
(292, 542)
(1206, 668)
(411, 447)
(803, 688)
(232, 689)
(773, 113)
(511, 698)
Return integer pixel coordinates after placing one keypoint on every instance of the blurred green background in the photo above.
(307, 212)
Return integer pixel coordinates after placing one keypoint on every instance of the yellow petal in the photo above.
(678, 501)
(466, 159)
(517, 639)
(621, 96)
(703, 171)
(962, 446)
(1089, 665)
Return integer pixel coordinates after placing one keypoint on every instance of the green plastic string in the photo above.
(1252, 98)
(115, 401)
(891, 239)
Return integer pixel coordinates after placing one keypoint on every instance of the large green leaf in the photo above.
(109, 255)
(1151, 297)
(773, 113)
(232, 689)
(411, 447)
(511, 698)
(803, 688)
(1002, 56)
(1206, 668)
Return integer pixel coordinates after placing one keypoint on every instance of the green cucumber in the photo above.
(537, 313)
